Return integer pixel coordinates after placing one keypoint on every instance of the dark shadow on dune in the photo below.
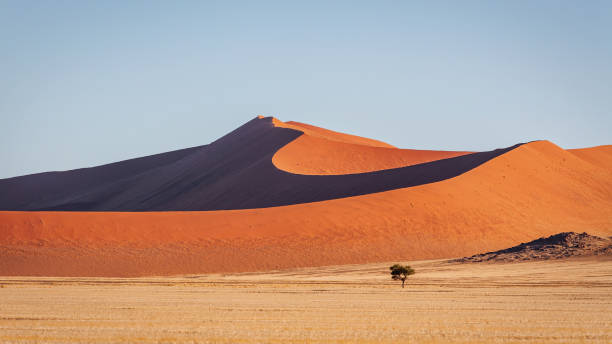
(234, 172)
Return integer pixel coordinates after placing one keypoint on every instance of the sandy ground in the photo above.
(544, 302)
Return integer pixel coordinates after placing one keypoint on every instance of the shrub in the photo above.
(401, 272)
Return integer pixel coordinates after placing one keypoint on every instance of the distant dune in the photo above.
(292, 205)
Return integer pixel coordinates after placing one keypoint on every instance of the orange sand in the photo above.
(311, 130)
(535, 190)
(320, 151)
(599, 156)
(313, 155)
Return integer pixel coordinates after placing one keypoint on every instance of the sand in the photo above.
(535, 190)
(312, 155)
(558, 246)
(236, 171)
(599, 156)
(320, 151)
(544, 302)
(311, 130)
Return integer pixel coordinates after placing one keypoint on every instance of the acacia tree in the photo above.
(401, 272)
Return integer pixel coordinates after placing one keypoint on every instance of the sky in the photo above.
(83, 83)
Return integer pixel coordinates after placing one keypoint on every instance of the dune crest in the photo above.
(331, 135)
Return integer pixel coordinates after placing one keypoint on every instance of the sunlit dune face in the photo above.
(311, 130)
(319, 156)
(324, 152)
(599, 156)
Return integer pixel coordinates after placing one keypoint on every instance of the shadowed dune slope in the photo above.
(535, 190)
(26, 191)
(237, 172)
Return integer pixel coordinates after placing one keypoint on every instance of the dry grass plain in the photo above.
(544, 302)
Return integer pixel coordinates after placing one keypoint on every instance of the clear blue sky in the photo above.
(84, 83)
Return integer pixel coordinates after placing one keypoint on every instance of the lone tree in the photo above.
(401, 272)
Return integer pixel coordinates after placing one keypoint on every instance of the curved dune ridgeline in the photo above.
(311, 130)
(502, 198)
(324, 152)
(312, 155)
(235, 172)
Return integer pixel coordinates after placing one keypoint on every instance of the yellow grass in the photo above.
(555, 301)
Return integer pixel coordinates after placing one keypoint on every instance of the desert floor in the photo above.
(547, 301)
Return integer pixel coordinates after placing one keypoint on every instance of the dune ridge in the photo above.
(331, 135)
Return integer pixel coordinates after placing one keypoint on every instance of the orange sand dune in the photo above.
(311, 130)
(324, 152)
(316, 156)
(600, 155)
(535, 190)
(237, 172)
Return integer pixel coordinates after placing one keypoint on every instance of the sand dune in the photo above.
(599, 156)
(237, 172)
(311, 130)
(19, 192)
(313, 155)
(324, 152)
(534, 190)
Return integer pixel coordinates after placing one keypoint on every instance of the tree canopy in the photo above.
(401, 272)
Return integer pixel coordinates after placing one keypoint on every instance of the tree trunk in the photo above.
(403, 283)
